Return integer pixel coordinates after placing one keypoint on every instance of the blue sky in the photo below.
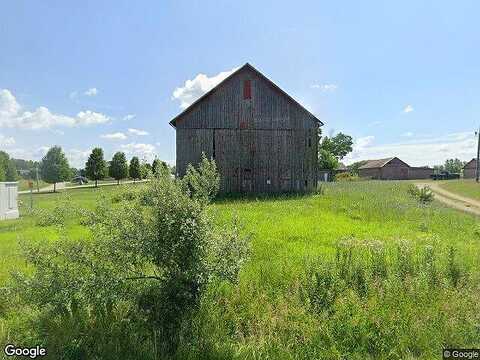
(403, 78)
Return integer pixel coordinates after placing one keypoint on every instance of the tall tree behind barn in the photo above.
(260, 137)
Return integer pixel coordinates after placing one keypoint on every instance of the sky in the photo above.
(402, 78)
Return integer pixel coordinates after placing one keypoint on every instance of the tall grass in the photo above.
(360, 270)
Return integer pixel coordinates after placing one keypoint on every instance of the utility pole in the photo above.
(36, 175)
(478, 156)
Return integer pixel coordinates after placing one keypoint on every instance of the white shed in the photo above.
(8, 200)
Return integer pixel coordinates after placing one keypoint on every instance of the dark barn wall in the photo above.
(263, 144)
(470, 169)
(419, 173)
(373, 173)
(395, 169)
(469, 173)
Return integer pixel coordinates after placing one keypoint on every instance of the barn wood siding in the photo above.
(469, 173)
(470, 169)
(419, 173)
(263, 144)
(394, 169)
(373, 173)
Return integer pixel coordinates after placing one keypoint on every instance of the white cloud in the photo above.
(408, 108)
(114, 136)
(143, 151)
(12, 115)
(325, 87)
(91, 92)
(359, 145)
(428, 150)
(199, 85)
(77, 158)
(129, 117)
(6, 141)
(408, 134)
(138, 132)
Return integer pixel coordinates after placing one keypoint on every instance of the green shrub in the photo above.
(62, 211)
(202, 183)
(424, 195)
(346, 176)
(132, 289)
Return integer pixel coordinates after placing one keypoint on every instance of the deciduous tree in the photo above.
(135, 170)
(339, 145)
(95, 166)
(118, 167)
(54, 167)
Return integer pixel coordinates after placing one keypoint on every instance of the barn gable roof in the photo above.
(471, 164)
(249, 67)
(373, 164)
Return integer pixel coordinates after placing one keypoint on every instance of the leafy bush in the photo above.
(423, 195)
(346, 176)
(58, 216)
(130, 290)
(204, 183)
(229, 251)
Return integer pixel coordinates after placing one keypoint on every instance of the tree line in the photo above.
(54, 167)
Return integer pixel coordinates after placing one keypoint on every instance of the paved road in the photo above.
(49, 188)
(62, 186)
(453, 200)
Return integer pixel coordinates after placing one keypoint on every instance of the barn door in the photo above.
(247, 155)
(247, 180)
(285, 153)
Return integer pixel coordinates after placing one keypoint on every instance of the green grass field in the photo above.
(25, 229)
(263, 314)
(464, 187)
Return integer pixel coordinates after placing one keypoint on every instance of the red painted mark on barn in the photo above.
(247, 89)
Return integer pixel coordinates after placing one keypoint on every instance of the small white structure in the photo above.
(8, 200)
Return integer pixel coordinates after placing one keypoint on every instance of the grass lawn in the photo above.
(263, 313)
(464, 187)
(25, 229)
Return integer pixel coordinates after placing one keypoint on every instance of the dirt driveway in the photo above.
(453, 200)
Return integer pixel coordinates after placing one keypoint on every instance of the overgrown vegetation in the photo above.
(370, 294)
(424, 194)
(132, 288)
(346, 176)
(358, 271)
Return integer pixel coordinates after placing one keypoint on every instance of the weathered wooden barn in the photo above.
(261, 138)
(470, 169)
(393, 169)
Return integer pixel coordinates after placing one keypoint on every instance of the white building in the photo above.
(8, 200)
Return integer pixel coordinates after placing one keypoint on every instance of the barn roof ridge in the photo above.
(245, 66)
(377, 163)
(470, 162)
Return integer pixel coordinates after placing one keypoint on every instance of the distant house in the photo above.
(470, 169)
(393, 169)
(262, 139)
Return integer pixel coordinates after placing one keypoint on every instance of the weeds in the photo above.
(424, 195)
